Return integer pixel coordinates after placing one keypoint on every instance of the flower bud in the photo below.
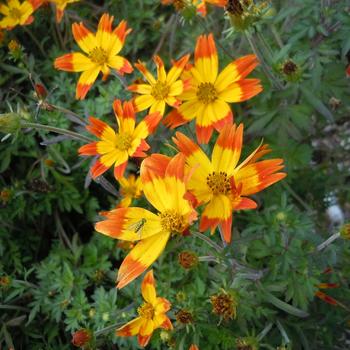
(10, 123)
(187, 259)
(247, 343)
(184, 317)
(345, 231)
(81, 337)
(5, 195)
(225, 304)
(291, 71)
(5, 281)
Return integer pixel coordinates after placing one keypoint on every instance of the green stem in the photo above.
(13, 307)
(276, 36)
(328, 241)
(67, 111)
(108, 329)
(36, 41)
(72, 134)
(208, 241)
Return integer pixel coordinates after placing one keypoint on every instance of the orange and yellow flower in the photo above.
(115, 148)
(207, 100)
(152, 314)
(164, 187)
(60, 7)
(16, 13)
(223, 184)
(130, 188)
(101, 53)
(161, 91)
(202, 8)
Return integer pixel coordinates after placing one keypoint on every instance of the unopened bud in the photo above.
(225, 304)
(10, 123)
(81, 337)
(291, 71)
(5, 281)
(187, 259)
(184, 316)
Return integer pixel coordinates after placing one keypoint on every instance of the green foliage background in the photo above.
(58, 275)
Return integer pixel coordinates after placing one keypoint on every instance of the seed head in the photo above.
(188, 259)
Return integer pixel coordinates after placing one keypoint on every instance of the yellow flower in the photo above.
(115, 148)
(161, 91)
(129, 188)
(207, 100)
(60, 7)
(222, 184)
(163, 181)
(101, 51)
(16, 13)
(152, 314)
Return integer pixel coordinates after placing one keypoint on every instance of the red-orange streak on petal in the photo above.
(185, 145)
(228, 119)
(143, 339)
(79, 31)
(105, 23)
(205, 46)
(140, 150)
(174, 119)
(36, 3)
(206, 223)
(129, 270)
(59, 15)
(152, 120)
(98, 169)
(226, 227)
(327, 285)
(230, 137)
(249, 88)
(158, 61)
(113, 225)
(245, 65)
(121, 31)
(119, 170)
(88, 150)
(167, 324)
(129, 111)
(204, 133)
(126, 67)
(182, 61)
(326, 298)
(263, 150)
(155, 165)
(244, 204)
(64, 62)
(82, 90)
(176, 167)
(96, 126)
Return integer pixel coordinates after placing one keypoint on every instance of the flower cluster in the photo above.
(177, 187)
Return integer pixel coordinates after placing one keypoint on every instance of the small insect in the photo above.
(138, 226)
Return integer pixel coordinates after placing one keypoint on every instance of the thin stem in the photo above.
(72, 134)
(107, 329)
(276, 36)
(14, 307)
(36, 41)
(209, 258)
(67, 111)
(296, 196)
(166, 30)
(328, 241)
(208, 241)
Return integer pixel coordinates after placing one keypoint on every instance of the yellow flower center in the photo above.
(160, 90)
(15, 13)
(123, 141)
(172, 221)
(146, 311)
(206, 93)
(98, 55)
(219, 182)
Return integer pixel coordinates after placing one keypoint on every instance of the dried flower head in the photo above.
(188, 259)
(5, 281)
(184, 317)
(82, 337)
(225, 304)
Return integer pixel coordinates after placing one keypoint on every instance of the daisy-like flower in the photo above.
(210, 93)
(220, 183)
(152, 314)
(115, 148)
(101, 53)
(60, 7)
(130, 188)
(16, 13)
(164, 187)
(202, 8)
(161, 91)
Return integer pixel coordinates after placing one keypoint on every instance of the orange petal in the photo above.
(148, 288)
(131, 328)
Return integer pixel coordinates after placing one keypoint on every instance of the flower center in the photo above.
(160, 90)
(146, 311)
(123, 141)
(219, 183)
(172, 221)
(98, 55)
(206, 93)
(15, 13)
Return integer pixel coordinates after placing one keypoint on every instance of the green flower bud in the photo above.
(10, 123)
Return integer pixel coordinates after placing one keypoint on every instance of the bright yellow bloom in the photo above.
(163, 181)
(115, 148)
(207, 100)
(16, 13)
(60, 7)
(101, 51)
(161, 91)
(129, 188)
(152, 314)
(220, 183)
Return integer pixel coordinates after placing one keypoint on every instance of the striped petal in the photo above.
(84, 38)
(143, 102)
(118, 38)
(74, 62)
(85, 82)
(120, 64)
(162, 305)
(227, 149)
(129, 224)
(141, 257)
(145, 72)
(241, 90)
(104, 31)
(177, 69)
(236, 70)
(147, 125)
(98, 128)
(148, 288)
(206, 58)
(161, 74)
(143, 89)
(131, 328)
